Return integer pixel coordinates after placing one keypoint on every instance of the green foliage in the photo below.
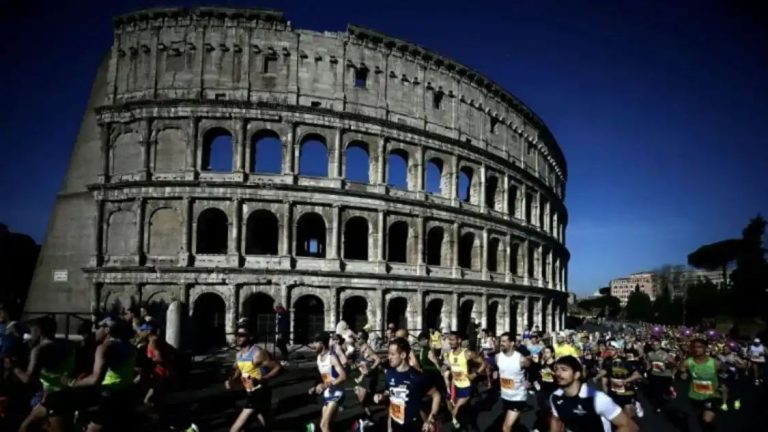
(704, 300)
(609, 305)
(639, 307)
(605, 291)
(665, 309)
(750, 279)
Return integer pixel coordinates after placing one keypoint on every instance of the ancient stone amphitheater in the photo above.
(230, 162)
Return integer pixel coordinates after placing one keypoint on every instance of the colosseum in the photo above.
(228, 162)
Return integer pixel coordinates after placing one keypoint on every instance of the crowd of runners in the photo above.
(580, 381)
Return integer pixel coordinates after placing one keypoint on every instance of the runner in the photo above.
(661, 366)
(730, 377)
(488, 351)
(251, 363)
(579, 407)
(405, 389)
(50, 363)
(512, 363)
(430, 363)
(368, 366)
(332, 375)
(161, 357)
(757, 359)
(111, 382)
(535, 347)
(619, 375)
(458, 378)
(703, 390)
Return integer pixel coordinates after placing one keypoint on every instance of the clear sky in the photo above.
(661, 109)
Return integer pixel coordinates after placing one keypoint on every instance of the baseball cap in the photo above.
(107, 322)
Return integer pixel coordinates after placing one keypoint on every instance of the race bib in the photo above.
(703, 387)
(658, 366)
(458, 375)
(618, 387)
(507, 383)
(397, 410)
(547, 376)
(326, 377)
(247, 381)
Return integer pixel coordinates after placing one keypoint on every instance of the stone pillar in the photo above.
(145, 144)
(140, 204)
(334, 170)
(523, 265)
(418, 312)
(522, 315)
(508, 256)
(484, 311)
(455, 311)
(333, 308)
(288, 151)
(484, 255)
(454, 179)
(237, 227)
(381, 155)
(173, 321)
(190, 168)
(187, 215)
(104, 136)
(98, 235)
(286, 229)
(240, 143)
(334, 245)
(420, 240)
(538, 313)
(455, 251)
(418, 169)
(380, 240)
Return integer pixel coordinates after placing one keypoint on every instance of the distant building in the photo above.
(623, 287)
(690, 276)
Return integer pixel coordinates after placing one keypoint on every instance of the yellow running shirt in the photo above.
(459, 369)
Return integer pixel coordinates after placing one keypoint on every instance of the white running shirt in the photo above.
(512, 377)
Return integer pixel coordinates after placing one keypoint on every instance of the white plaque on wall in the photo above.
(60, 275)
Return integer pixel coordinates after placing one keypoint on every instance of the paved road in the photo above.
(213, 408)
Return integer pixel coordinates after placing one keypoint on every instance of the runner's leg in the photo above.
(242, 420)
(509, 420)
(328, 413)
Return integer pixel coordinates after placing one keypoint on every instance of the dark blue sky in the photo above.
(661, 109)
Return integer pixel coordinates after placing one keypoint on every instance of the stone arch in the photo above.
(121, 233)
(397, 169)
(492, 318)
(262, 233)
(170, 150)
(217, 150)
(127, 154)
(397, 242)
(491, 193)
(209, 321)
(354, 312)
(434, 314)
(313, 156)
(308, 318)
(397, 311)
(259, 309)
(514, 257)
(495, 262)
(212, 232)
(465, 184)
(311, 235)
(117, 298)
(469, 253)
(165, 232)
(356, 234)
(357, 162)
(466, 312)
(266, 152)
(434, 176)
(435, 246)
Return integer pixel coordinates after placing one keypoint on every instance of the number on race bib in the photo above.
(507, 383)
(397, 411)
(703, 387)
(618, 387)
(658, 366)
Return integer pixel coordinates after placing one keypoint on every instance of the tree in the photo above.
(605, 291)
(716, 256)
(750, 278)
(639, 306)
(18, 256)
(606, 305)
(704, 300)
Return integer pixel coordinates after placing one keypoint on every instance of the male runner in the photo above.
(332, 375)
(406, 387)
(368, 366)
(512, 363)
(458, 378)
(619, 375)
(730, 377)
(579, 407)
(703, 390)
(757, 358)
(661, 365)
(251, 363)
(50, 362)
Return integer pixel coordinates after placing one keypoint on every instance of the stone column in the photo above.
(538, 313)
(240, 143)
(237, 227)
(380, 240)
(481, 199)
(454, 179)
(334, 243)
(484, 255)
(455, 251)
(333, 308)
(418, 311)
(98, 235)
(381, 155)
(525, 245)
(334, 170)
(455, 311)
(187, 215)
(522, 315)
(190, 166)
(288, 151)
(140, 203)
(173, 321)
(420, 240)
(484, 311)
(145, 144)
(419, 169)
(286, 229)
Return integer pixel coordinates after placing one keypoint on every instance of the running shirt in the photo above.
(757, 353)
(618, 370)
(704, 383)
(426, 364)
(589, 411)
(659, 361)
(328, 374)
(459, 368)
(121, 363)
(59, 362)
(548, 372)
(406, 389)
(250, 373)
(535, 350)
(512, 377)
(729, 371)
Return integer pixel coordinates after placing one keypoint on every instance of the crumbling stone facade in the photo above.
(473, 225)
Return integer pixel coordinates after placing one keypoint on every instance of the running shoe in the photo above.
(737, 404)
(724, 407)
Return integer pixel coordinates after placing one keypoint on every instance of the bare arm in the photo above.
(99, 369)
(267, 361)
(340, 370)
(624, 424)
(157, 356)
(32, 367)
(555, 425)
(436, 399)
(477, 360)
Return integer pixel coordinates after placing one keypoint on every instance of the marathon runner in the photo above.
(161, 359)
(512, 363)
(368, 366)
(730, 376)
(619, 375)
(406, 387)
(661, 366)
(757, 358)
(253, 368)
(458, 378)
(488, 351)
(51, 361)
(579, 407)
(332, 375)
(703, 390)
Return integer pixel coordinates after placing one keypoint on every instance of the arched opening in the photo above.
(514, 252)
(396, 312)
(356, 238)
(309, 318)
(121, 233)
(259, 308)
(493, 254)
(514, 307)
(465, 183)
(434, 318)
(310, 236)
(212, 232)
(512, 199)
(435, 238)
(208, 318)
(466, 250)
(531, 260)
(261, 233)
(465, 316)
(435, 176)
(491, 187)
(217, 150)
(357, 162)
(165, 230)
(397, 174)
(355, 312)
(493, 312)
(528, 208)
(313, 156)
(545, 265)
(266, 153)
(397, 242)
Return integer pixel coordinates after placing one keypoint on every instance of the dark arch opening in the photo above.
(266, 153)
(435, 237)
(514, 251)
(466, 246)
(313, 156)
(434, 319)
(435, 176)
(310, 236)
(212, 232)
(491, 187)
(397, 242)
(259, 308)
(208, 318)
(217, 150)
(493, 254)
(356, 238)
(465, 183)
(261, 233)
(357, 162)
(465, 317)
(396, 310)
(309, 318)
(493, 311)
(512, 199)
(355, 312)
(398, 169)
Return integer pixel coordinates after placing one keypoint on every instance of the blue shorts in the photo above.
(335, 395)
(460, 392)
